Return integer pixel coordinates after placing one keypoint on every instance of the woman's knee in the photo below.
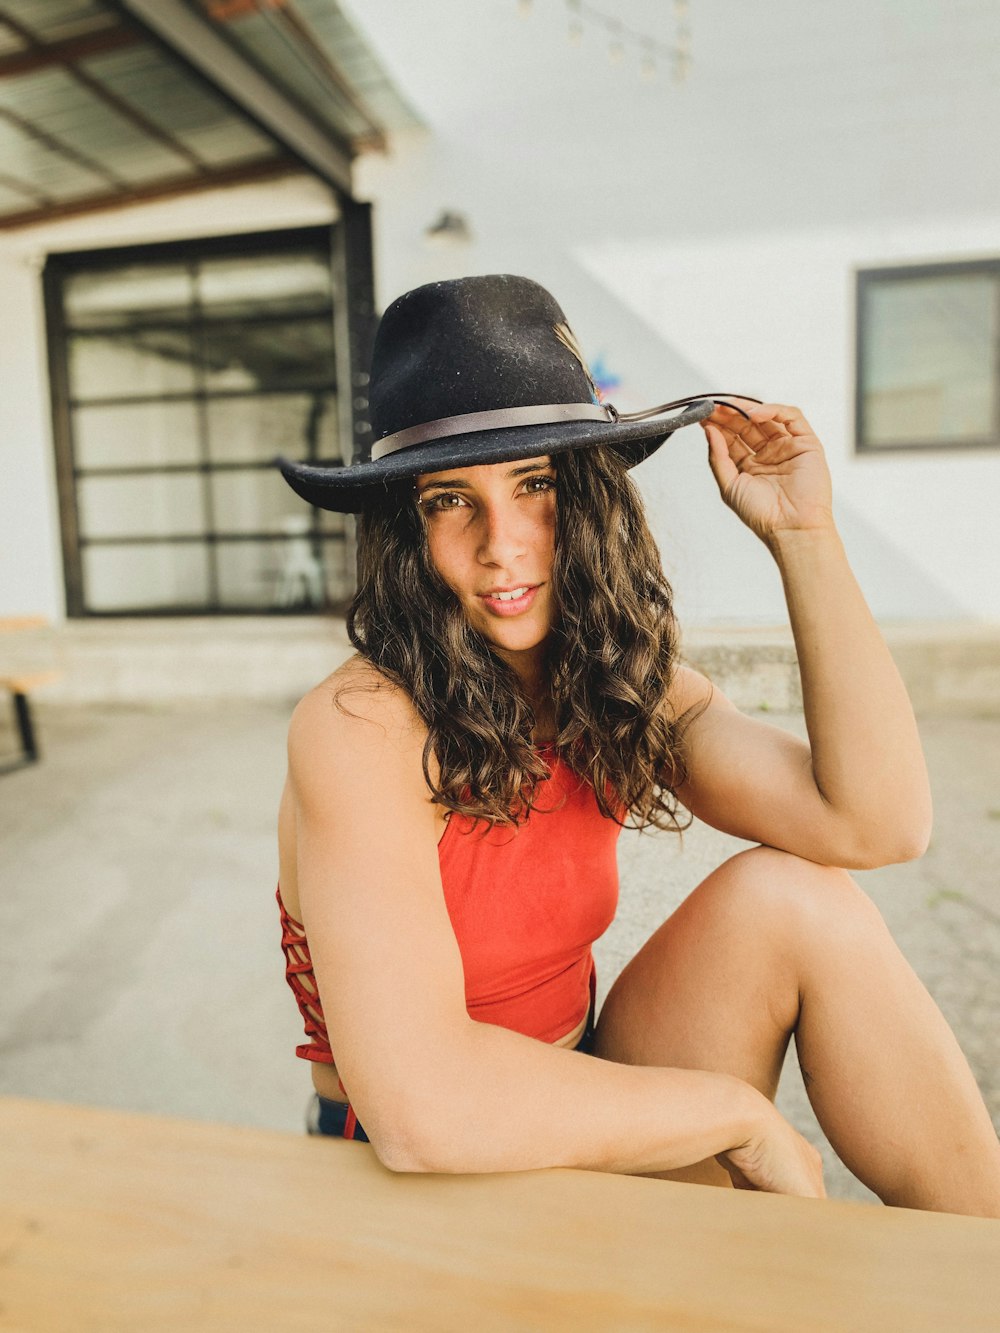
(753, 930)
(766, 889)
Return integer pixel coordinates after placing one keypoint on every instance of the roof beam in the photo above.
(40, 56)
(242, 173)
(199, 43)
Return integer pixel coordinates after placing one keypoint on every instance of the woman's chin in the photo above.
(513, 638)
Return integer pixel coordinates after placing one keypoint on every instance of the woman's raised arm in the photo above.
(866, 757)
(435, 1090)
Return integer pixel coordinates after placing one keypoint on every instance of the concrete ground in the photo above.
(140, 946)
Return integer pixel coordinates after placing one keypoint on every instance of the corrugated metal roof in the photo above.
(312, 50)
(94, 110)
(196, 117)
(341, 41)
(60, 20)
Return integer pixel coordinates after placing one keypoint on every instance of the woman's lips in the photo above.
(509, 606)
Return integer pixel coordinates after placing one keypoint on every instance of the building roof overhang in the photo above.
(110, 102)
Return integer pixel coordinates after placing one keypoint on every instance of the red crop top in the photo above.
(526, 905)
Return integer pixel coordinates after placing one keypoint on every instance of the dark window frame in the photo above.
(351, 323)
(868, 277)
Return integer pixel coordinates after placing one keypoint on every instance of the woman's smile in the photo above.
(509, 601)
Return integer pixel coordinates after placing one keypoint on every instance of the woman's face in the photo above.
(491, 536)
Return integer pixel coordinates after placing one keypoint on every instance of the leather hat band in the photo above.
(501, 419)
(549, 415)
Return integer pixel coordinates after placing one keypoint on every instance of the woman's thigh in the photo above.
(717, 986)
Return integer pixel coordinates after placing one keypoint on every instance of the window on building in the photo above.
(929, 357)
(179, 373)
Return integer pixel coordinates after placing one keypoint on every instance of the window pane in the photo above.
(269, 355)
(243, 430)
(339, 580)
(332, 522)
(254, 501)
(278, 284)
(135, 364)
(136, 434)
(145, 293)
(187, 376)
(161, 505)
(148, 577)
(930, 350)
(296, 572)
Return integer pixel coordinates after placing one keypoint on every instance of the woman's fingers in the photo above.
(719, 456)
(738, 433)
(782, 415)
(776, 416)
(772, 434)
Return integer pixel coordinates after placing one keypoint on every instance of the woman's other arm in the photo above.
(435, 1090)
(867, 757)
(856, 794)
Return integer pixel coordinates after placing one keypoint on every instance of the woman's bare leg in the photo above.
(771, 944)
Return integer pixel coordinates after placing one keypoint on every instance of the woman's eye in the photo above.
(442, 501)
(539, 485)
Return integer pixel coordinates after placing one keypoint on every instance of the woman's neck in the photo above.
(532, 671)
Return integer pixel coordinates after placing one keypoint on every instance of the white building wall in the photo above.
(31, 577)
(30, 555)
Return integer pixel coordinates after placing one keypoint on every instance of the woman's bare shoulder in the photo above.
(355, 717)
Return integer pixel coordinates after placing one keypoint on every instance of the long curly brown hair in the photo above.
(611, 656)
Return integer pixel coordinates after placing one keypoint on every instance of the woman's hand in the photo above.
(777, 1159)
(771, 469)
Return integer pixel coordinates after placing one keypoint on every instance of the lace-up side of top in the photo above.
(299, 975)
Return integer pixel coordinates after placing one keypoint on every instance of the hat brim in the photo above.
(349, 490)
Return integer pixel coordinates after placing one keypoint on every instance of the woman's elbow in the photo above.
(916, 847)
(406, 1154)
(412, 1142)
(396, 1154)
(910, 848)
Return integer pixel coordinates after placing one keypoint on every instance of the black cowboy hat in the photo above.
(479, 370)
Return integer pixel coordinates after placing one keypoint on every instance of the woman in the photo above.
(455, 792)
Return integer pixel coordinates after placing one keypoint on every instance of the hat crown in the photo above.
(472, 345)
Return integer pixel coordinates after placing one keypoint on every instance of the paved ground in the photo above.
(139, 940)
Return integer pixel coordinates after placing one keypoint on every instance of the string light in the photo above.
(575, 22)
(616, 50)
(621, 39)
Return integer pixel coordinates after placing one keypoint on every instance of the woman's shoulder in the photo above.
(354, 719)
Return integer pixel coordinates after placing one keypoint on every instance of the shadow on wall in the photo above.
(894, 586)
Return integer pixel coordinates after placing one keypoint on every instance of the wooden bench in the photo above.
(20, 685)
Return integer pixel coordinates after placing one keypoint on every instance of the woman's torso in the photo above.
(479, 857)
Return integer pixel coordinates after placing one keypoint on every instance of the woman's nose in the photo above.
(503, 538)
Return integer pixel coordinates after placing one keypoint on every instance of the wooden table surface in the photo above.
(117, 1221)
